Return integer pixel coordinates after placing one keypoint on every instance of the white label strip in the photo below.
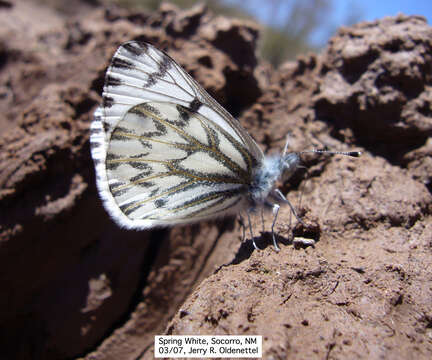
(207, 346)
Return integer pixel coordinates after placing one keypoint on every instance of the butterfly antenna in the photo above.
(346, 153)
(286, 146)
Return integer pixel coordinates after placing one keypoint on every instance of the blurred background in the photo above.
(289, 27)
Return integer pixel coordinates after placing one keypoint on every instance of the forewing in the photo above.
(165, 151)
(139, 73)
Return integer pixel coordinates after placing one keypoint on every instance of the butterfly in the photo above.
(166, 153)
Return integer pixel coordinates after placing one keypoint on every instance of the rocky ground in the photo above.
(74, 285)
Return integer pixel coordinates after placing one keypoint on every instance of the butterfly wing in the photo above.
(165, 151)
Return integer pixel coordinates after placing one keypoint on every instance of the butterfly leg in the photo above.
(275, 210)
(242, 224)
(251, 232)
(277, 194)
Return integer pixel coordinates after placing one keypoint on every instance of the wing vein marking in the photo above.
(220, 179)
(126, 160)
(243, 174)
(239, 147)
(158, 62)
(138, 61)
(123, 74)
(175, 171)
(192, 84)
(206, 99)
(155, 74)
(141, 137)
(149, 90)
(230, 205)
(209, 133)
(173, 83)
(200, 201)
(170, 191)
(137, 182)
(168, 211)
(172, 63)
(201, 210)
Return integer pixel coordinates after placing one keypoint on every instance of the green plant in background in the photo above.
(289, 36)
(289, 25)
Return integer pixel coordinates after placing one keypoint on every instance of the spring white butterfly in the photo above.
(167, 153)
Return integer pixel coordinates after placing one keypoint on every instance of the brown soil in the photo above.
(74, 285)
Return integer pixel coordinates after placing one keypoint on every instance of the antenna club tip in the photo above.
(354, 153)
